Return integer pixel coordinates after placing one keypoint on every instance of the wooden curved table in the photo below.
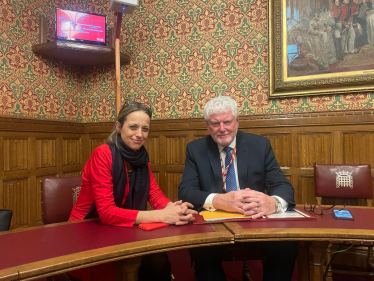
(314, 236)
(47, 250)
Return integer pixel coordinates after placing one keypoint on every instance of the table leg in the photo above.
(317, 253)
(328, 258)
(303, 261)
(127, 269)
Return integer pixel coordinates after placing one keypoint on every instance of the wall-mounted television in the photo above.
(80, 27)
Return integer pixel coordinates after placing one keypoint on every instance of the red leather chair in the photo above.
(58, 194)
(58, 198)
(349, 184)
(343, 181)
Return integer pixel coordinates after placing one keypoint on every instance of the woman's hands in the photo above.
(178, 213)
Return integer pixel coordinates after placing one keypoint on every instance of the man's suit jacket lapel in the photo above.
(242, 160)
(215, 163)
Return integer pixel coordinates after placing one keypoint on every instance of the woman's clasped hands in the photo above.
(178, 213)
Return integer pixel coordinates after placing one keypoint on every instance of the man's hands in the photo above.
(246, 201)
(233, 201)
(260, 204)
(177, 213)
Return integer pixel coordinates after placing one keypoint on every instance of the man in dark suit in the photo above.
(237, 172)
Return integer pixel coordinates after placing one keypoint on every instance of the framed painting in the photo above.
(319, 47)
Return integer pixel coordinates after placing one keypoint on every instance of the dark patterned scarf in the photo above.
(139, 181)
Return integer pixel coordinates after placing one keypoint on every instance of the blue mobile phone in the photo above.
(343, 215)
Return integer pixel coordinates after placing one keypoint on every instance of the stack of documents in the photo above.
(221, 215)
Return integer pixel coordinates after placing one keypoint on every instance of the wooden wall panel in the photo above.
(175, 149)
(172, 181)
(16, 197)
(307, 191)
(71, 173)
(201, 135)
(43, 148)
(15, 154)
(153, 147)
(45, 153)
(282, 146)
(71, 151)
(314, 148)
(358, 148)
(29, 151)
(95, 142)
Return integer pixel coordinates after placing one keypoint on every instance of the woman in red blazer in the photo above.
(117, 183)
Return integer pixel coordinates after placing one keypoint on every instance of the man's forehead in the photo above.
(221, 116)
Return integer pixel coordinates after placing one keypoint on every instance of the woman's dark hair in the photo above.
(127, 108)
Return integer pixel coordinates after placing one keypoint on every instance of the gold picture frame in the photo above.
(298, 69)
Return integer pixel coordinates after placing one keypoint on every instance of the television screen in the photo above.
(80, 27)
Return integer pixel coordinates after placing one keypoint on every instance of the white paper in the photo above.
(288, 214)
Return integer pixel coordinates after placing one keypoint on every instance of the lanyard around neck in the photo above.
(225, 169)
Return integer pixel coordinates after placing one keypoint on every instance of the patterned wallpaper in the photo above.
(182, 54)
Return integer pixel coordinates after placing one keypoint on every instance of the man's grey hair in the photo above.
(221, 104)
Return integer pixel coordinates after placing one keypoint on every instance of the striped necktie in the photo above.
(230, 177)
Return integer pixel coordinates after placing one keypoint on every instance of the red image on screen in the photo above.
(81, 27)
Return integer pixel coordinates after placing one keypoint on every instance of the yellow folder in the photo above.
(221, 215)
